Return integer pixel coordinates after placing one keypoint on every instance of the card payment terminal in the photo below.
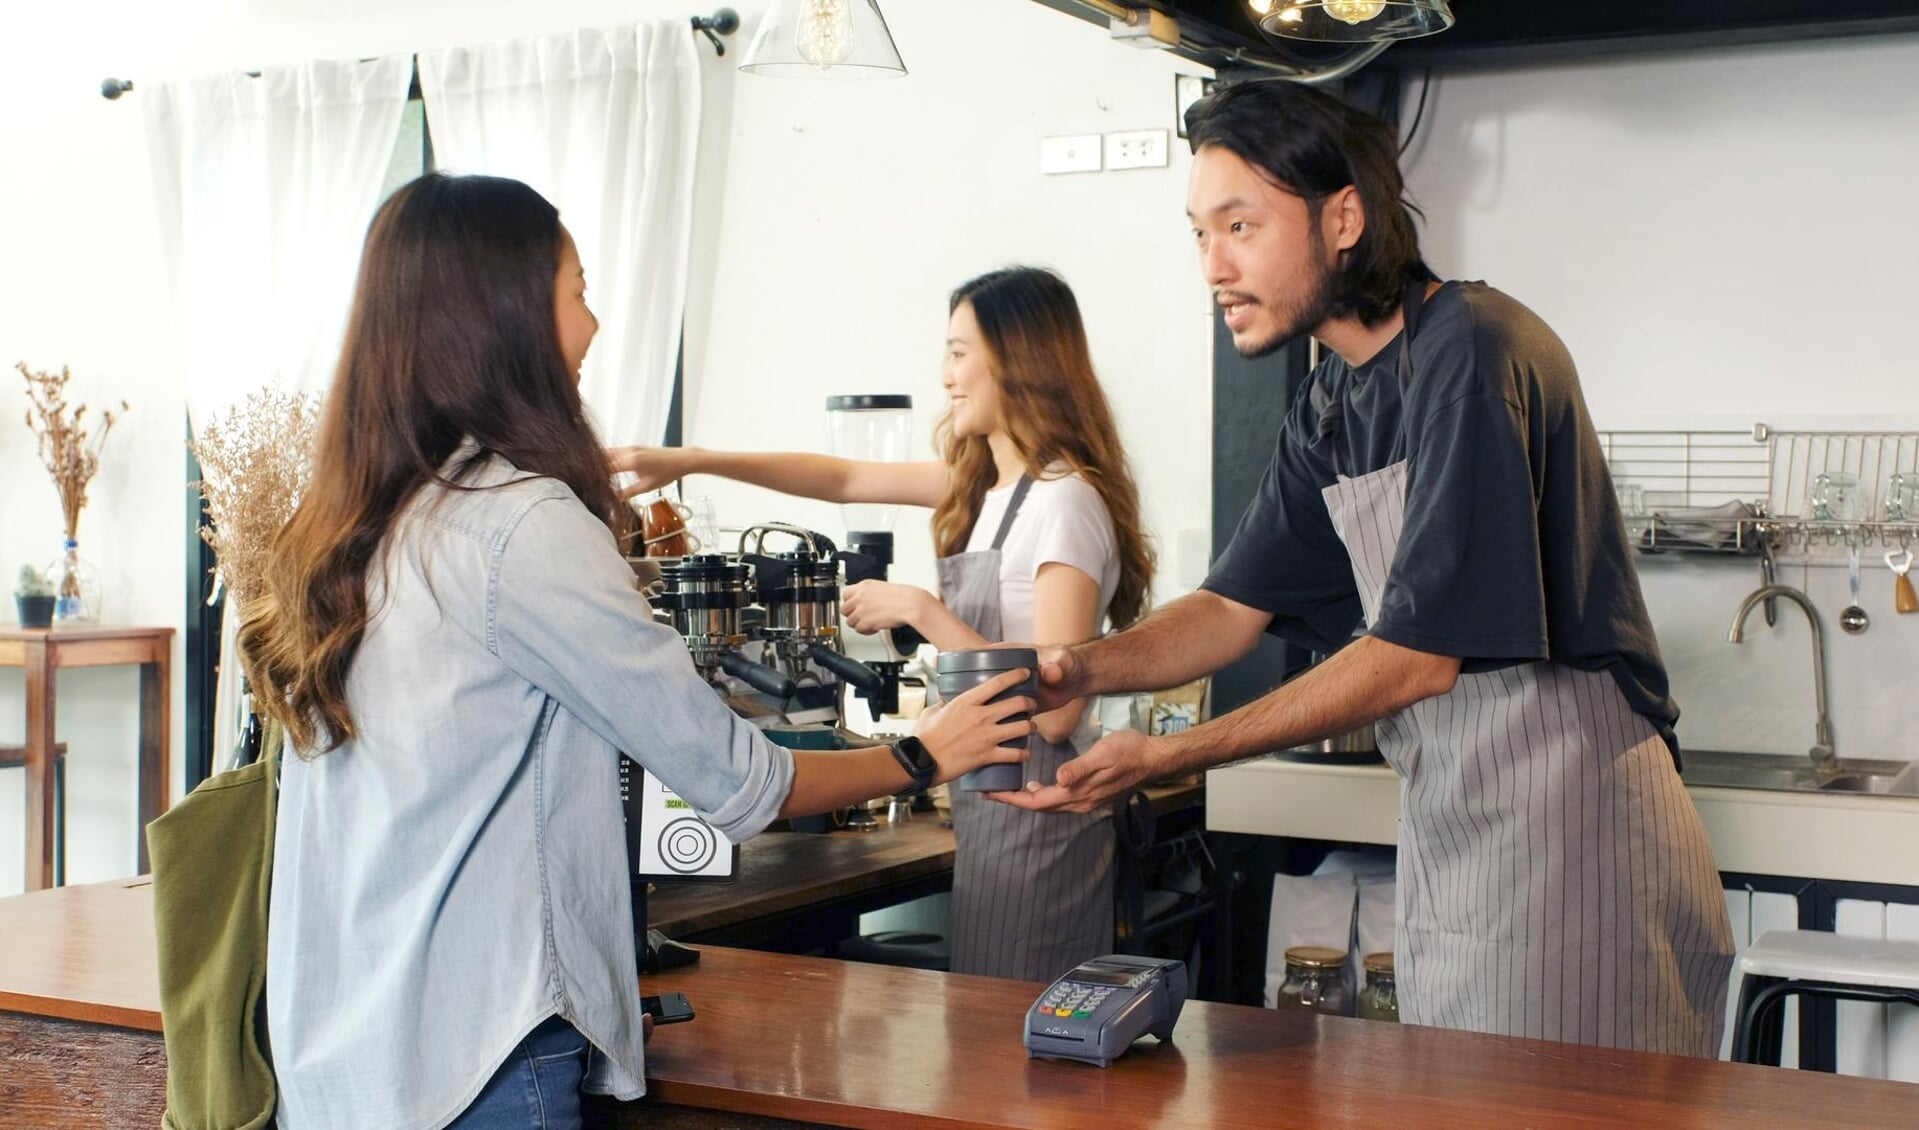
(1095, 1012)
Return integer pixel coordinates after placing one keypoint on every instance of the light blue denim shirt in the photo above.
(457, 872)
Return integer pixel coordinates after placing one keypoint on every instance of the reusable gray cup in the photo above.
(961, 671)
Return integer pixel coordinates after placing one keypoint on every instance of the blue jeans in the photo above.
(537, 1088)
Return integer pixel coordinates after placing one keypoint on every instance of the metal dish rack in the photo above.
(1753, 492)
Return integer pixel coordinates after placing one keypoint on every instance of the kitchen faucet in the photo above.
(1823, 757)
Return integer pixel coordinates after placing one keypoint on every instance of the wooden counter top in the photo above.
(82, 953)
(787, 1037)
(86, 952)
(784, 872)
(832, 877)
(814, 1040)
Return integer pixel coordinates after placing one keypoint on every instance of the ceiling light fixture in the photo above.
(823, 39)
(1352, 21)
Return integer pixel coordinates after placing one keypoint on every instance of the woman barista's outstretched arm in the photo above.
(870, 606)
(824, 477)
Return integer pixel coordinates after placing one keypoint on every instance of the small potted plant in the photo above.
(34, 597)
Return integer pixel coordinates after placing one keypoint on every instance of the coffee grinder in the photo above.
(873, 429)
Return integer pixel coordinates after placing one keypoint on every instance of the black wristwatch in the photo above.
(913, 757)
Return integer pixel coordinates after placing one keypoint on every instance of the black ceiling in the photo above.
(1522, 32)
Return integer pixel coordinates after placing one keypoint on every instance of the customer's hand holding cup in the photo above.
(983, 726)
(961, 671)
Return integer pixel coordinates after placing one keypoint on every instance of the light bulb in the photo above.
(826, 31)
(1260, 7)
(1354, 11)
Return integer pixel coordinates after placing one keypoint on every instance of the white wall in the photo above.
(1721, 238)
(833, 220)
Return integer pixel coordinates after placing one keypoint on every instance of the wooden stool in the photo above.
(15, 757)
(1813, 963)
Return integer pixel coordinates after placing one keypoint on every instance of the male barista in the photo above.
(1439, 483)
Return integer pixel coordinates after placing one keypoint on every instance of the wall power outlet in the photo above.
(1136, 149)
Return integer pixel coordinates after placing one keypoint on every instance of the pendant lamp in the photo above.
(1352, 21)
(838, 39)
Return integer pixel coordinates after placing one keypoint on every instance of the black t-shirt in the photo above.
(1514, 549)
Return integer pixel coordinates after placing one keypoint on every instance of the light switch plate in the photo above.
(1136, 149)
(1079, 153)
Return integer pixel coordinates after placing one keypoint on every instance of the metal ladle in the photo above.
(1852, 618)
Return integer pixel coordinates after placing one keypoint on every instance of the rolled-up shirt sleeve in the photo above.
(1467, 578)
(564, 613)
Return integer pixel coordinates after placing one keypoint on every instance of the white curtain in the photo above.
(605, 124)
(263, 189)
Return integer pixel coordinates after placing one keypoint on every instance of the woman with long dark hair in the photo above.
(1036, 518)
(457, 650)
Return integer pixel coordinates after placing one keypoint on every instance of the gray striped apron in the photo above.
(1554, 879)
(1032, 891)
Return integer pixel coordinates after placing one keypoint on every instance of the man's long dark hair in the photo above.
(451, 336)
(1312, 144)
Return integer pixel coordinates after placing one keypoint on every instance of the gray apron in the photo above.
(1554, 879)
(1032, 891)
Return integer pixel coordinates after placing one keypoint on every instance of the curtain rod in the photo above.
(726, 21)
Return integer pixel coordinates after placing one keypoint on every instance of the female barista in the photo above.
(1037, 520)
(457, 650)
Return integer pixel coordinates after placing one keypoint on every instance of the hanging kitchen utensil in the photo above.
(1903, 597)
(1853, 618)
(1768, 577)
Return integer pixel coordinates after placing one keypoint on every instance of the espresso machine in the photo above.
(763, 626)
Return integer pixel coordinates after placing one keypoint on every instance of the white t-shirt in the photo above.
(1064, 520)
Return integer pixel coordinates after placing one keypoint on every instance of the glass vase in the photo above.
(76, 587)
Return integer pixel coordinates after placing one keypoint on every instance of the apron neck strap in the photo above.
(1012, 508)
(1410, 306)
(1330, 428)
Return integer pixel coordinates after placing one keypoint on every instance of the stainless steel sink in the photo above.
(1718, 769)
(1884, 783)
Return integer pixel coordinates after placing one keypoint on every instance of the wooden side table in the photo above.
(42, 652)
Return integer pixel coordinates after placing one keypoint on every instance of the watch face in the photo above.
(913, 754)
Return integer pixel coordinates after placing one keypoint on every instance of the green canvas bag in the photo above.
(212, 858)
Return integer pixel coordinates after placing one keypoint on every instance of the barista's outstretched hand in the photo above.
(1113, 767)
(652, 467)
(1062, 677)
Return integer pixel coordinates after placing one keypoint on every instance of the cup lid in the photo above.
(868, 403)
(987, 659)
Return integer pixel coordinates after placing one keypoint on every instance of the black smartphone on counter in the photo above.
(667, 1008)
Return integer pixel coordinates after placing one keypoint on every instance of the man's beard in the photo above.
(1304, 314)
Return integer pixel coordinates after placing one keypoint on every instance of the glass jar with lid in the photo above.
(1379, 997)
(1316, 981)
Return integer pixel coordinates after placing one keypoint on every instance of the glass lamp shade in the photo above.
(1352, 21)
(839, 39)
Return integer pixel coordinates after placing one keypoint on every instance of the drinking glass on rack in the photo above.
(1836, 497)
(1902, 497)
(1632, 499)
(701, 524)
